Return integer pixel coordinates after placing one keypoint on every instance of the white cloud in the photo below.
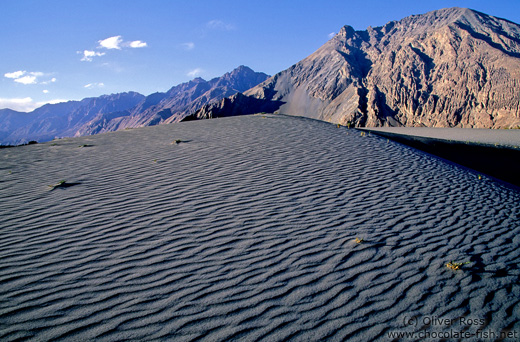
(16, 74)
(117, 43)
(331, 35)
(25, 104)
(88, 54)
(45, 91)
(195, 72)
(111, 43)
(26, 80)
(219, 25)
(52, 80)
(188, 46)
(25, 77)
(94, 85)
(137, 44)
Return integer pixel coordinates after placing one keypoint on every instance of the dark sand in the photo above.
(245, 231)
(495, 153)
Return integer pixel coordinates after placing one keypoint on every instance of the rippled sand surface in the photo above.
(245, 230)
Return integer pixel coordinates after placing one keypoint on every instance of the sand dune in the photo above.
(245, 231)
(495, 137)
(495, 153)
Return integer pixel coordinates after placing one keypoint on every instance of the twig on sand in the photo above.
(61, 183)
(456, 265)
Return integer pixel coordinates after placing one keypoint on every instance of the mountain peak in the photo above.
(198, 80)
(240, 71)
(434, 20)
(180, 101)
(240, 79)
(346, 31)
(242, 68)
(431, 20)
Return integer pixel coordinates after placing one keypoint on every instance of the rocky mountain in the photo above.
(9, 120)
(176, 103)
(453, 67)
(125, 110)
(61, 119)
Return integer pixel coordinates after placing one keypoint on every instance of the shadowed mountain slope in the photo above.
(61, 119)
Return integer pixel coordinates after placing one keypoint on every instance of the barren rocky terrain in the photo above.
(448, 68)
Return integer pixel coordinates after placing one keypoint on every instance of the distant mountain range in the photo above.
(118, 111)
(61, 119)
(448, 68)
(453, 67)
(176, 103)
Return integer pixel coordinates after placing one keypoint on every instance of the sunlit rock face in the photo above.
(448, 68)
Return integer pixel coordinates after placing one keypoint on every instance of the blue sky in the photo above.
(55, 50)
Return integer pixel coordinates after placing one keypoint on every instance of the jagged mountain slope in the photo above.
(63, 119)
(453, 67)
(125, 110)
(9, 121)
(177, 103)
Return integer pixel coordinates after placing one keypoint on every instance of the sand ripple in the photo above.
(245, 231)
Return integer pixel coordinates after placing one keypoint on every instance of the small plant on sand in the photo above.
(61, 183)
(155, 160)
(358, 240)
(479, 177)
(177, 142)
(456, 265)
(363, 134)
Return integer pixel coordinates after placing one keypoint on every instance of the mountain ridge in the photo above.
(178, 102)
(62, 119)
(113, 112)
(453, 67)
